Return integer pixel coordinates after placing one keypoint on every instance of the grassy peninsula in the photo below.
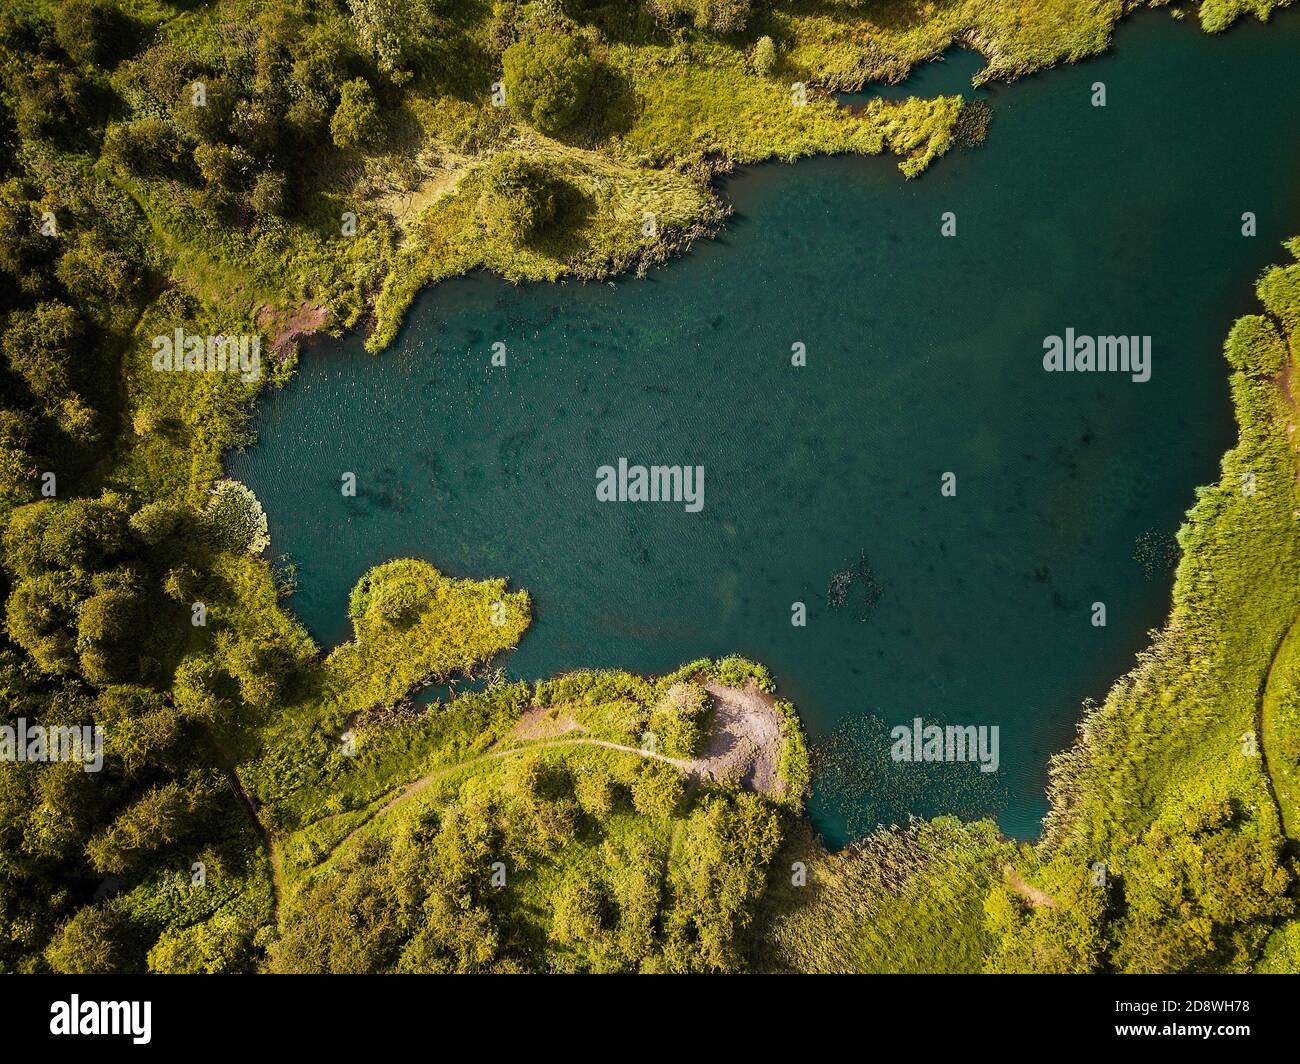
(264, 171)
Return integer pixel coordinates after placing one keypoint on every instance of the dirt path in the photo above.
(1036, 897)
(1286, 816)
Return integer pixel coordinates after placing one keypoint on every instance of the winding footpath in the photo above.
(1267, 728)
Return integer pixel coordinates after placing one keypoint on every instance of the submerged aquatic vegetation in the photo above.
(855, 587)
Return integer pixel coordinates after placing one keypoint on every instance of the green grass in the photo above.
(1182, 713)
(905, 900)
(826, 39)
(451, 627)
(1280, 732)
(542, 840)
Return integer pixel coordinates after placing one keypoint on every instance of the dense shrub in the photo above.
(548, 78)
(520, 197)
(91, 31)
(356, 122)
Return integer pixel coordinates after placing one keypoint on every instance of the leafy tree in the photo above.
(62, 602)
(185, 584)
(657, 789)
(17, 466)
(452, 937)
(723, 16)
(718, 872)
(1254, 347)
(596, 792)
(91, 32)
(25, 255)
(717, 16)
(110, 627)
(99, 939)
(149, 147)
(67, 800)
(47, 347)
(264, 667)
(412, 904)
(356, 122)
(268, 196)
(221, 944)
(96, 273)
(636, 885)
(202, 690)
(208, 122)
(157, 820)
(678, 721)
(576, 910)
(164, 521)
(54, 103)
(38, 617)
(78, 536)
(141, 729)
(321, 59)
(225, 171)
(548, 78)
(393, 31)
(1201, 891)
(256, 126)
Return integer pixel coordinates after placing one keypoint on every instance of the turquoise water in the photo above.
(924, 357)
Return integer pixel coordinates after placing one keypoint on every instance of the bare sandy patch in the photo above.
(288, 327)
(744, 741)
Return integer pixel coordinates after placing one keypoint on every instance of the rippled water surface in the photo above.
(924, 357)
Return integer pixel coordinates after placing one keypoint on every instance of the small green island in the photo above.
(191, 195)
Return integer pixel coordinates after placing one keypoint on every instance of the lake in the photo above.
(822, 483)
